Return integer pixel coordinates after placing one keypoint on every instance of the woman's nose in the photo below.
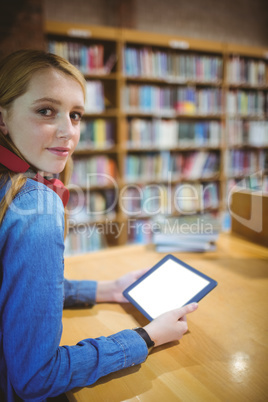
(65, 128)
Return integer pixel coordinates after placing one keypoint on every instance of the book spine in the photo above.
(88, 59)
(96, 134)
(242, 70)
(187, 101)
(150, 62)
(94, 171)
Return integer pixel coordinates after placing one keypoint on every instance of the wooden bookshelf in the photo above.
(175, 90)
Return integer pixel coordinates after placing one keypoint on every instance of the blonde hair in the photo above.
(16, 71)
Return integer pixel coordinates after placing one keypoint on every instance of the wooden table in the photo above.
(224, 355)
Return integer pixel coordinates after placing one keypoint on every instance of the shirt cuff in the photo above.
(77, 293)
(132, 345)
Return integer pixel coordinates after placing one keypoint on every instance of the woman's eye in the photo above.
(46, 112)
(76, 116)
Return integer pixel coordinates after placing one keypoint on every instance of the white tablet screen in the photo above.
(168, 287)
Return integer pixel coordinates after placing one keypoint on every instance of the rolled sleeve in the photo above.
(134, 348)
(95, 358)
(79, 293)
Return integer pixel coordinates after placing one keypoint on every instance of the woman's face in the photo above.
(44, 123)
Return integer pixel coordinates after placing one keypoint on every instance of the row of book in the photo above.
(88, 59)
(167, 166)
(241, 162)
(247, 103)
(96, 134)
(92, 206)
(84, 239)
(168, 65)
(249, 132)
(155, 199)
(94, 97)
(161, 133)
(94, 171)
(183, 100)
(241, 70)
(139, 231)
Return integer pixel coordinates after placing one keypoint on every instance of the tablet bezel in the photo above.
(196, 298)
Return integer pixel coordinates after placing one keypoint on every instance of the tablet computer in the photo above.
(170, 284)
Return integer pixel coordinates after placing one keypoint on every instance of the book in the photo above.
(97, 171)
(167, 100)
(242, 70)
(169, 65)
(195, 233)
(185, 248)
(94, 97)
(96, 134)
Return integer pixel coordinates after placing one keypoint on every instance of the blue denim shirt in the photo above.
(33, 366)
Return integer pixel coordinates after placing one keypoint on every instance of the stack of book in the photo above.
(196, 233)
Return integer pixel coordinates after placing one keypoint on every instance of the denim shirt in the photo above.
(33, 366)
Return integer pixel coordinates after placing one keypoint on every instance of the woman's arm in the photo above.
(77, 293)
(32, 301)
(90, 292)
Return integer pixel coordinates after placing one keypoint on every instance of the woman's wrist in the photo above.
(105, 291)
(145, 336)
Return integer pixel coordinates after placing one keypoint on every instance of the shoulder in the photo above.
(32, 186)
(35, 199)
(33, 191)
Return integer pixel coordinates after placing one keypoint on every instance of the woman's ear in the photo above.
(3, 125)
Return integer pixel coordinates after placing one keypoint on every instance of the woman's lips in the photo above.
(59, 151)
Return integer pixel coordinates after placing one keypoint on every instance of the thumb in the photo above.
(189, 308)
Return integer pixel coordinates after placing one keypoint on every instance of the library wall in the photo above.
(241, 21)
(21, 26)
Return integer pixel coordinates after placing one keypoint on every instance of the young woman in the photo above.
(41, 104)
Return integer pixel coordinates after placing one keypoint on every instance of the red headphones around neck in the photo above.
(17, 165)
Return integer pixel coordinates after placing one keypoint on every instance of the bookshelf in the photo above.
(246, 118)
(171, 125)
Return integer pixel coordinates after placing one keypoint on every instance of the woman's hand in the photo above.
(112, 291)
(170, 326)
